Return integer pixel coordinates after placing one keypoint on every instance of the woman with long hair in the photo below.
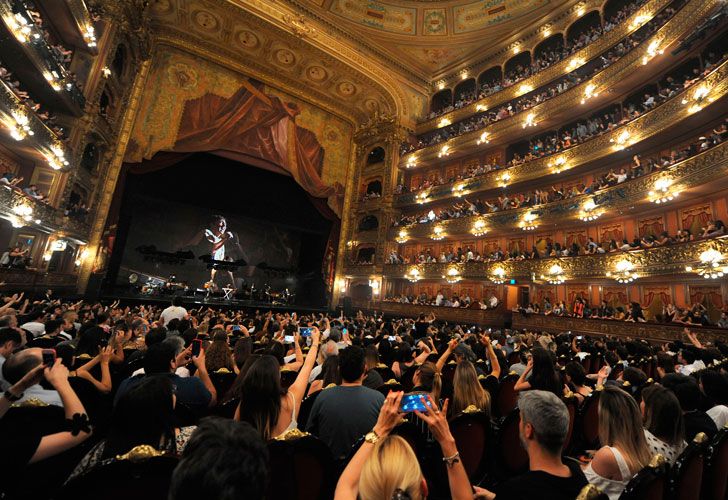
(467, 390)
(218, 354)
(329, 375)
(543, 374)
(663, 420)
(264, 403)
(624, 450)
(575, 378)
(427, 379)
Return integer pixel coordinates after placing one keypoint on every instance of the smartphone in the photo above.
(344, 331)
(392, 338)
(49, 357)
(196, 347)
(304, 331)
(288, 339)
(579, 337)
(236, 328)
(413, 401)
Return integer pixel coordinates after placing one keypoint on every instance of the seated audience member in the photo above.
(624, 450)
(427, 379)
(34, 323)
(218, 354)
(21, 363)
(143, 415)
(174, 311)
(543, 374)
(196, 392)
(10, 340)
(341, 415)
(664, 426)
(373, 378)
(543, 427)
(575, 379)
(223, 460)
(688, 394)
(467, 390)
(264, 404)
(29, 445)
(385, 467)
(714, 386)
(329, 375)
(688, 362)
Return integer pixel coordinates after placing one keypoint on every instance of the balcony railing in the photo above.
(28, 55)
(72, 20)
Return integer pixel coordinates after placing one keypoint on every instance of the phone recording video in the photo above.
(303, 331)
(236, 328)
(196, 347)
(49, 357)
(414, 402)
(288, 339)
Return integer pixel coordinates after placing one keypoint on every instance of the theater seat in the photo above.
(305, 409)
(511, 458)
(507, 397)
(223, 380)
(715, 480)
(686, 475)
(588, 422)
(649, 483)
(287, 378)
(389, 385)
(142, 474)
(301, 466)
(572, 405)
(472, 432)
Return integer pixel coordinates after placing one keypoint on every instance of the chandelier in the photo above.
(458, 190)
(444, 151)
(402, 236)
(438, 233)
(709, 266)
(624, 272)
(661, 192)
(484, 138)
(498, 275)
(555, 275)
(479, 228)
(529, 222)
(452, 275)
(588, 211)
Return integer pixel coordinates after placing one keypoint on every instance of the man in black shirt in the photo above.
(544, 425)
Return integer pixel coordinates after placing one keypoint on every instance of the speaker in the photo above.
(348, 307)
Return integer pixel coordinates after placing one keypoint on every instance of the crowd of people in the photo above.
(119, 376)
(638, 167)
(553, 89)
(45, 115)
(542, 60)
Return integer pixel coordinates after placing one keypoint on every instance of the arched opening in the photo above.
(464, 92)
(687, 70)
(441, 101)
(104, 104)
(549, 49)
(119, 62)
(365, 255)
(90, 157)
(490, 77)
(368, 223)
(374, 187)
(77, 205)
(641, 100)
(612, 7)
(376, 155)
(586, 25)
(518, 67)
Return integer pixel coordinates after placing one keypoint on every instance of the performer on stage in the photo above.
(218, 235)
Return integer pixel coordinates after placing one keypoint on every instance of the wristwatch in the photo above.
(371, 437)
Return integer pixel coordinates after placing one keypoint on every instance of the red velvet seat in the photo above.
(715, 480)
(648, 484)
(507, 398)
(572, 405)
(686, 475)
(304, 467)
(589, 421)
(472, 432)
(510, 455)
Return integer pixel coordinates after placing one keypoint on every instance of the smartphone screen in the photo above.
(304, 331)
(236, 328)
(49, 357)
(288, 339)
(196, 347)
(413, 401)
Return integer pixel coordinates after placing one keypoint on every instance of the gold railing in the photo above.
(591, 51)
(657, 261)
(491, 317)
(504, 130)
(691, 172)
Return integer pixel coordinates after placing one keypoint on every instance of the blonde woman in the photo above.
(624, 450)
(467, 390)
(386, 468)
(427, 379)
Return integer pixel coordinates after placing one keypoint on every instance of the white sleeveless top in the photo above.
(610, 487)
(293, 424)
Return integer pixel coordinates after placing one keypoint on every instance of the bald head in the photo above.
(20, 363)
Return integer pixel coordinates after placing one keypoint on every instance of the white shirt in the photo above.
(37, 329)
(4, 385)
(693, 367)
(37, 392)
(181, 371)
(719, 414)
(173, 312)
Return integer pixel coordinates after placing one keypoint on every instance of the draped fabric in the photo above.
(695, 220)
(612, 233)
(258, 129)
(651, 227)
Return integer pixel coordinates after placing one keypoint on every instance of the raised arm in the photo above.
(298, 388)
(443, 359)
(495, 368)
(522, 384)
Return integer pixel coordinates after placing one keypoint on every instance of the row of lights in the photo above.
(18, 125)
(710, 265)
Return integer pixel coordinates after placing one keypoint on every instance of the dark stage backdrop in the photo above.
(270, 222)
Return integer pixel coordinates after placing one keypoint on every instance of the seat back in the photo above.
(307, 465)
(223, 381)
(648, 484)
(305, 410)
(226, 409)
(472, 430)
(589, 420)
(715, 481)
(389, 385)
(141, 474)
(287, 378)
(510, 455)
(385, 372)
(572, 405)
(686, 476)
(507, 398)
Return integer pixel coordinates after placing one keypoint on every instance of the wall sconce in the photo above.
(441, 85)
(481, 107)
(709, 266)
(558, 165)
(376, 286)
(443, 123)
(484, 139)
(413, 275)
(402, 236)
(699, 95)
(588, 211)
(453, 275)
(623, 272)
(464, 75)
(458, 190)
(555, 275)
(438, 233)
(505, 178)
(525, 89)
(89, 36)
(639, 20)
(516, 48)
(621, 141)
(653, 49)
(498, 275)
(421, 197)
(20, 129)
(661, 192)
(574, 63)
(479, 228)
(530, 120)
(24, 211)
(589, 92)
(529, 222)
(56, 157)
(444, 151)
(411, 162)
